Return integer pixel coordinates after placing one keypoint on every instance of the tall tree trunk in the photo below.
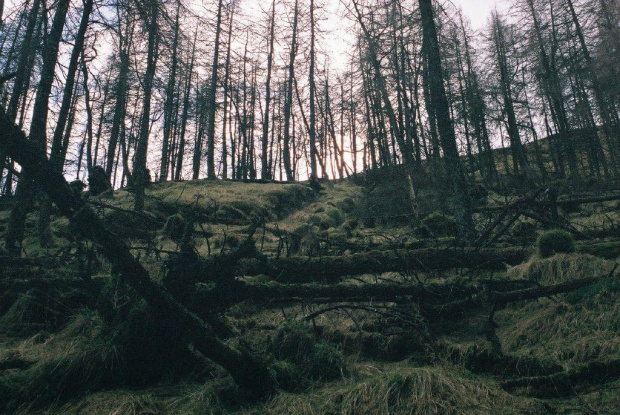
(38, 132)
(312, 126)
(169, 113)
(57, 158)
(22, 74)
(226, 90)
(141, 174)
(211, 101)
(608, 116)
(454, 168)
(120, 107)
(553, 91)
(501, 43)
(265, 170)
(288, 101)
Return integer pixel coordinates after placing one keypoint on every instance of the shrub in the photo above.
(525, 231)
(314, 220)
(347, 205)
(440, 224)
(232, 241)
(555, 241)
(313, 360)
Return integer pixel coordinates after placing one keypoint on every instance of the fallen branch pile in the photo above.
(245, 369)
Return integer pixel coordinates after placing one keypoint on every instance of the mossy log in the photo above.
(496, 299)
(527, 202)
(227, 294)
(330, 269)
(244, 368)
(563, 384)
(437, 299)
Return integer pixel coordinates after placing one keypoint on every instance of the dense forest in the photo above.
(309, 207)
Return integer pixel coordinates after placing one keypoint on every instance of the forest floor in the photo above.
(75, 339)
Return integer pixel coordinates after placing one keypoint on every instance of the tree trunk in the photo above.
(120, 107)
(57, 157)
(265, 170)
(312, 127)
(454, 168)
(211, 101)
(169, 114)
(38, 132)
(141, 174)
(288, 102)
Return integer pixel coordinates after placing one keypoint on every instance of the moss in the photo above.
(129, 225)
(554, 242)
(229, 213)
(288, 198)
(334, 217)
(440, 224)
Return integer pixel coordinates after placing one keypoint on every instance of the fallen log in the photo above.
(497, 300)
(436, 299)
(330, 269)
(227, 294)
(563, 384)
(244, 368)
(526, 202)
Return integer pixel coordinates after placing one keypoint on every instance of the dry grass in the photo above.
(406, 390)
(577, 327)
(568, 330)
(560, 268)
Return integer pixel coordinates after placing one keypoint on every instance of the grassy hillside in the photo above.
(74, 338)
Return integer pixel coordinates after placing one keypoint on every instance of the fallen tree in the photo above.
(246, 370)
(329, 269)
(438, 299)
(563, 383)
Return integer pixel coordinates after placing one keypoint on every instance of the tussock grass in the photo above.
(427, 390)
(70, 363)
(560, 268)
(566, 334)
(303, 359)
(572, 329)
(479, 358)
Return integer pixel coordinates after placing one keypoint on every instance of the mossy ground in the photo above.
(384, 359)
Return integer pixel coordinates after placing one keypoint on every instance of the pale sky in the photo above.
(476, 10)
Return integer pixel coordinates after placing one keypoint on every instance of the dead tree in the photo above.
(245, 369)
